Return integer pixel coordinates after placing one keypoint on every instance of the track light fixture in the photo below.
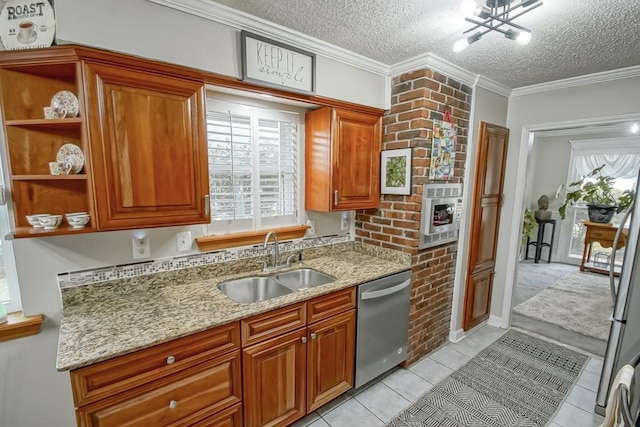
(497, 15)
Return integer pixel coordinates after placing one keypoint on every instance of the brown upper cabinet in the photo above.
(146, 133)
(141, 129)
(342, 160)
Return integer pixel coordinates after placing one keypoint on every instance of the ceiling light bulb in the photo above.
(523, 38)
(635, 128)
(468, 7)
(520, 37)
(461, 44)
(482, 12)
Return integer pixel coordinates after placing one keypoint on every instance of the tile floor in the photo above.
(378, 402)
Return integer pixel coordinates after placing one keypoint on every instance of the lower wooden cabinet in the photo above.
(292, 361)
(274, 380)
(230, 417)
(185, 382)
(330, 359)
(290, 375)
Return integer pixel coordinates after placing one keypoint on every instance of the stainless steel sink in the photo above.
(303, 278)
(253, 289)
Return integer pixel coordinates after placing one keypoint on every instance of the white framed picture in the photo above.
(396, 171)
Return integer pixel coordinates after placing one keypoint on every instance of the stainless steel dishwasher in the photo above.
(382, 326)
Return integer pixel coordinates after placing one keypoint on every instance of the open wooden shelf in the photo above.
(45, 123)
(64, 229)
(49, 177)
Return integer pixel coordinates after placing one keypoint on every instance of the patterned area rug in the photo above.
(517, 381)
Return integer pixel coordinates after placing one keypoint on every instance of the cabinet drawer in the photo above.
(178, 400)
(131, 370)
(276, 322)
(231, 417)
(328, 305)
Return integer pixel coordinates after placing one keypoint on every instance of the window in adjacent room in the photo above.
(621, 158)
(253, 167)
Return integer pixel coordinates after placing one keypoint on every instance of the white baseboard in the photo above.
(495, 321)
(457, 335)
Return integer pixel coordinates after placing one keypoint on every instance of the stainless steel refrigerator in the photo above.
(624, 337)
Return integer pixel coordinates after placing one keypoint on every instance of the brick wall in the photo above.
(418, 98)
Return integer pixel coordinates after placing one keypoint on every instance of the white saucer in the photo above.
(28, 40)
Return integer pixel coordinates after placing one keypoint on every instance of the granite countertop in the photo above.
(94, 331)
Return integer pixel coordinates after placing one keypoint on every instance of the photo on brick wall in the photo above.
(443, 150)
(396, 171)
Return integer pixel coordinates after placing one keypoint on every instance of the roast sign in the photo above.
(27, 24)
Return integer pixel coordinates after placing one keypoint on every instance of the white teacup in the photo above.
(57, 168)
(54, 113)
(51, 222)
(27, 29)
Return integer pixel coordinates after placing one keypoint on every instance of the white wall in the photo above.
(582, 105)
(32, 392)
(487, 107)
(146, 29)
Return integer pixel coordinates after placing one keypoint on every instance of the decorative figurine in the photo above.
(543, 211)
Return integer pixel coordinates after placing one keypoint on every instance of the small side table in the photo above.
(604, 235)
(539, 243)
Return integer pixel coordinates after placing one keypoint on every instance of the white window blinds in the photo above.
(253, 166)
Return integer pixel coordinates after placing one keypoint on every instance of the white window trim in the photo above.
(14, 303)
(257, 223)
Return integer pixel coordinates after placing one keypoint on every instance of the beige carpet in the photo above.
(579, 304)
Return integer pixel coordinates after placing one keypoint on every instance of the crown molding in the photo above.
(243, 21)
(434, 62)
(493, 86)
(588, 79)
(585, 130)
(624, 144)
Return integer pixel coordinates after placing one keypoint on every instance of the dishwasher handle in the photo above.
(385, 292)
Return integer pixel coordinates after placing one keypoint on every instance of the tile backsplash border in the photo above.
(311, 247)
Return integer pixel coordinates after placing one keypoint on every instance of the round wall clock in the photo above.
(27, 24)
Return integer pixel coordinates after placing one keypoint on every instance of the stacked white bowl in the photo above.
(34, 220)
(78, 219)
(50, 222)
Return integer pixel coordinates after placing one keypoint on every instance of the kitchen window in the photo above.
(253, 167)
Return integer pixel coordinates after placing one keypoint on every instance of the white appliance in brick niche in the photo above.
(441, 212)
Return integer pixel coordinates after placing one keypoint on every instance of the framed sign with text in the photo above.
(274, 64)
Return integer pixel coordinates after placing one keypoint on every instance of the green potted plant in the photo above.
(529, 224)
(597, 192)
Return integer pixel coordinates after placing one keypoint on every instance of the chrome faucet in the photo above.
(276, 255)
(276, 248)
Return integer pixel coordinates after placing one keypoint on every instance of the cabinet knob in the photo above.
(304, 339)
(170, 360)
(335, 198)
(313, 335)
(173, 404)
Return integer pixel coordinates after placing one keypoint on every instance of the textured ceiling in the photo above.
(570, 37)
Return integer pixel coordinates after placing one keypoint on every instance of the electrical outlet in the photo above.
(141, 248)
(184, 241)
(344, 221)
(311, 231)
